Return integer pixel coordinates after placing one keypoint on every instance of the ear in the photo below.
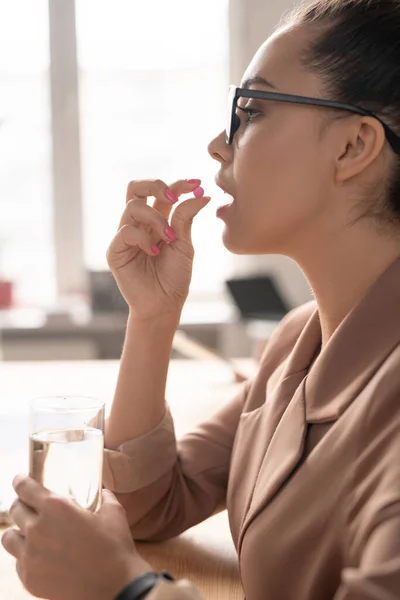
(362, 141)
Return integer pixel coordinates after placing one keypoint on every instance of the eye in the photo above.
(251, 113)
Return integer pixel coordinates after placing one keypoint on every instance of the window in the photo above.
(152, 84)
(153, 81)
(26, 241)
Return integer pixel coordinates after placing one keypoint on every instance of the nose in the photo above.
(219, 150)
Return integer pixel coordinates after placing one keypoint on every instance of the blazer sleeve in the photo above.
(165, 486)
(374, 513)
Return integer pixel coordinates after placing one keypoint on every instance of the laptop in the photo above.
(257, 298)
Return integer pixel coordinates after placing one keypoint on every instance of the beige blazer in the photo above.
(307, 461)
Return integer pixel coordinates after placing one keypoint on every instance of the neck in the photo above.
(341, 272)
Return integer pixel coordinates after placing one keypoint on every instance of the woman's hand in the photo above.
(150, 259)
(64, 552)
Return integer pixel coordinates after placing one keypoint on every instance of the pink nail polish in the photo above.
(171, 196)
(194, 181)
(155, 249)
(198, 192)
(170, 233)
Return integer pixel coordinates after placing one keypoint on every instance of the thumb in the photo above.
(109, 504)
(182, 218)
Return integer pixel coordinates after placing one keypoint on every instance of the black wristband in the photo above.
(140, 587)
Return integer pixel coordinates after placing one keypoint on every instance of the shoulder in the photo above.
(382, 401)
(372, 506)
(376, 469)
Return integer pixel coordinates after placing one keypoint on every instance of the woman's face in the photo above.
(278, 169)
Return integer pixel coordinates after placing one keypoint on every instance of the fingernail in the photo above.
(155, 250)
(194, 181)
(171, 196)
(170, 233)
(198, 192)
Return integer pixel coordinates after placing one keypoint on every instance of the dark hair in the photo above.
(356, 52)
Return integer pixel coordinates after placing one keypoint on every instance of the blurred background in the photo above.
(95, 93)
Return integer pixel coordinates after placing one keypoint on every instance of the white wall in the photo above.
(251, 21)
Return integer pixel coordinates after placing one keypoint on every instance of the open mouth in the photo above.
(222, 186)
(222, 209)
(226, 206)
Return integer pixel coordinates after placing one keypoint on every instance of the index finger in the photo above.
(143, 188)
(165, 196)
(182, 186)
(32, 493)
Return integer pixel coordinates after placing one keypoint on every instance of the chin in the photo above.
(230, 243)
(235, 245)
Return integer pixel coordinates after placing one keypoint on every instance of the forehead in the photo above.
(279, 61)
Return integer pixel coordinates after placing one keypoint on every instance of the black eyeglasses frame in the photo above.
(237, 92)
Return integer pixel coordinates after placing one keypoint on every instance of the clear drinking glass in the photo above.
(66, 441)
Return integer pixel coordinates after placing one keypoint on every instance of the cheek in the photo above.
(277, 183)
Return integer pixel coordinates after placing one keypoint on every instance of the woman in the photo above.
(307, 456)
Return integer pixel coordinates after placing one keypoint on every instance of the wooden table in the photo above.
(204, 554)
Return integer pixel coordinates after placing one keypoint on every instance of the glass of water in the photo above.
(66, 441)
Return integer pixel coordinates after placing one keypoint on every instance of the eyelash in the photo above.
(251, 113)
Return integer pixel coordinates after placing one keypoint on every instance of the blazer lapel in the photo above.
(281, 458)
(283, 449)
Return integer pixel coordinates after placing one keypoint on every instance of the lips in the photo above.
(222, 210)
(221, 185)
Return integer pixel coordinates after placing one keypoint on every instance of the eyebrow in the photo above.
(257, 80)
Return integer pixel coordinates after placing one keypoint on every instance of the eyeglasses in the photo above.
(236, 92)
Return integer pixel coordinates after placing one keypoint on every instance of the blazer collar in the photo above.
(355, 352)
